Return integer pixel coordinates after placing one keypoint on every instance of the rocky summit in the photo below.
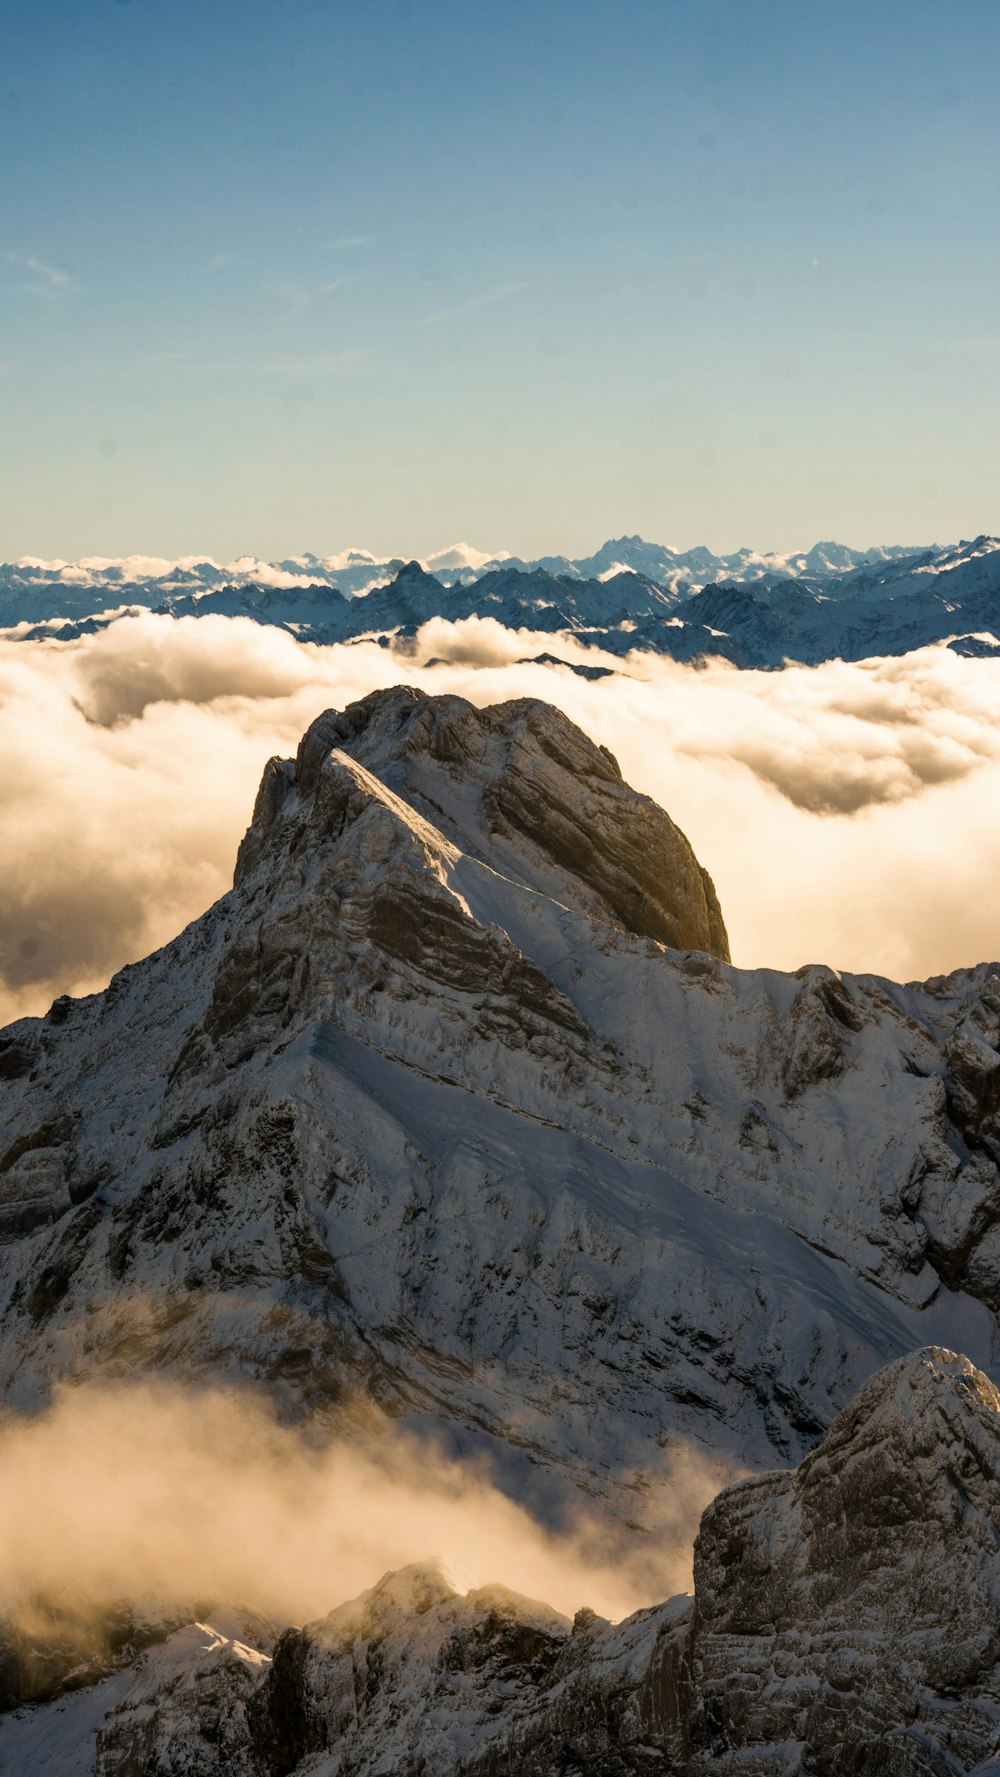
(845, 1619)
(454, 1113)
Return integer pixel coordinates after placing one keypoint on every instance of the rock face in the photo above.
(848, 1615)
(453, 1110)
(413, 1676)
(180, 1709)
(58, 1645)
(410, 1669)
(846, 1619)
(185, 1709)
(515, 786)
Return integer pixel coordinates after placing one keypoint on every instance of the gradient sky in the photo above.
(393, 272)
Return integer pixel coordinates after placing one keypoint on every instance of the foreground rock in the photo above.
(846, 1619)
(848, 1614)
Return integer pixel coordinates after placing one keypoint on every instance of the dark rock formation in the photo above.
(53, 1645)
(848, 1614)
(539, 787)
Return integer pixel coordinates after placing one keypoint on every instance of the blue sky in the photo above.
(298, 276)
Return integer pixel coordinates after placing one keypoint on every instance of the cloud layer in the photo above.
(844, 811)
(154, 1492)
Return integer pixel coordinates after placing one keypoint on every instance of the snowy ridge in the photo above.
(454, 1112)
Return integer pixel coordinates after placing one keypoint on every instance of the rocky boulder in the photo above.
(848, 1613)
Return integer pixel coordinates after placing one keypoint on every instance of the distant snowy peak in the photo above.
(462, 555)
(351, 570)
(356, 570)
(696, 567)
(138, 570)
(962, 567)
(751, 609)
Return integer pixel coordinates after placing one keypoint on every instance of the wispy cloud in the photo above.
(300, 296)
(983, 345)
(314, 369)
(485, 299)
(48, 280)
(308, 368)
(351, 240)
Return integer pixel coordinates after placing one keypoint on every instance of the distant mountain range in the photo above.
(357, 571)
(751, 609)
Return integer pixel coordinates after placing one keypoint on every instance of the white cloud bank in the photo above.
(845, 811)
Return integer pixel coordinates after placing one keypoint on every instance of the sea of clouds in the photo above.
(844, 811)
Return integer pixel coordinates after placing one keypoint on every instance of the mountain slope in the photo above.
(449, 1110)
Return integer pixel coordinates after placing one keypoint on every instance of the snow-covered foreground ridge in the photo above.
(844, 1620)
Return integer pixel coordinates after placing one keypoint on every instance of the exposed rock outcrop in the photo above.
(851, 1610)
(185, 1709)
(53, 1645)
(846, 1619)
(514, 784)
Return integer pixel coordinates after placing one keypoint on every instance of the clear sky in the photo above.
(389, 273)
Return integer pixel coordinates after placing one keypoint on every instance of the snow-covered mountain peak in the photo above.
(446, 1107)
(448, 1113)
(515, 786)
(984, 544)
(403, 1592)
(462, 555)
(913, 1399)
